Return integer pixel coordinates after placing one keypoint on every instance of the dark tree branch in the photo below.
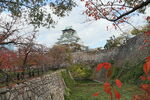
(131, 11)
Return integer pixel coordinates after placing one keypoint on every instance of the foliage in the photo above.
(115, 42)
(80, 71)
(115, 72)
(139, 31)
(132, 2)
(129, 74)
(136, 32)
(132, 75)
(146, 86)
(36, 11)
(59, 56)
(117, 11)
(7, 58)
(108, 88)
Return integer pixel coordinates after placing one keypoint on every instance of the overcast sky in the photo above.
(93, 34)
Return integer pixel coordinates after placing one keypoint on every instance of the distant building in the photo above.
(68, 30)
(70, 39)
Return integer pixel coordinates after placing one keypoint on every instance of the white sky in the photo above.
(92, 34)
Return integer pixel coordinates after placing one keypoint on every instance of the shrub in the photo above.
(139, 31)
(80, 71)
(129, 73)
(116, 71)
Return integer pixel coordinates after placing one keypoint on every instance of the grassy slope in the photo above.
(84, 91)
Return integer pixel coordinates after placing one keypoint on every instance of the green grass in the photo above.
(84, 91)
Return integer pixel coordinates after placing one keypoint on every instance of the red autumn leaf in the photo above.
(117, 94)
(107, 65)
(148, 78)
(147, 58)
(107, 88)
(118, 83)
(143, 78)
(96, 94)
(106, 84)
(146, 67)
(99, 67)
(146, 87)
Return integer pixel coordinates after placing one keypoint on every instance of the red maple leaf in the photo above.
(118, 83)
(146, 67)
(117, 94)
(96, 94)
(106, 65)
(99, 67)
(148, 78)
(147, 58)
(143, 78)
(145, 87)
(107, 88)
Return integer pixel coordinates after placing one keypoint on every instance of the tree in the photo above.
(25, 48)
(14, 30)
(115, 42)
(38, 57)
(7, 58)
(116, 11)
(8, 32)
(69, 38)
(59, 56)
(7, 62)
(37, 11)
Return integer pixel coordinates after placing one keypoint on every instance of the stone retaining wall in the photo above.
(130, 52)
(47, 87)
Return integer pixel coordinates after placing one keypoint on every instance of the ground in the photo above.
(83, 90)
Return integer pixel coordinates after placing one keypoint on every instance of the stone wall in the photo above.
(46, 87)
(97, 57)
(130, 52)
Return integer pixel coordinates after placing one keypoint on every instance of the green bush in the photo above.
(115, 72)
(80, 71)
(133, 74)
(135, 32)
(139, 31)
(129, 73)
